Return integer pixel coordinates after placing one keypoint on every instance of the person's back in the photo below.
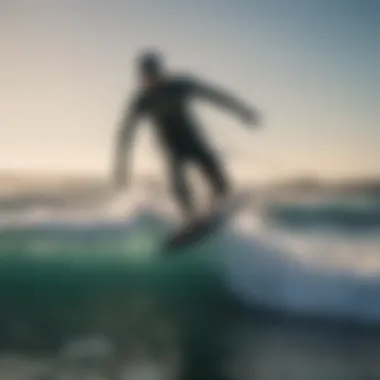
(167, 106)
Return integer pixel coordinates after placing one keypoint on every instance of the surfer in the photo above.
(164, 98)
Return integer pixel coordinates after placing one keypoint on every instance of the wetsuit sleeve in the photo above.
(125, 134)
(218, 97)
(131, 116)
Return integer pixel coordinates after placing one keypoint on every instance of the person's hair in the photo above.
(150, 62)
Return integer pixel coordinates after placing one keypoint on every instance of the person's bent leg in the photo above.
(214, 171)
(180, 188)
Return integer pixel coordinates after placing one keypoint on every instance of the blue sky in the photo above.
(310, 66)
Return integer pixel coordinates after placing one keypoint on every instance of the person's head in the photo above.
(150, 68)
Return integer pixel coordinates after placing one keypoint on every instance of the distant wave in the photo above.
(353, 216)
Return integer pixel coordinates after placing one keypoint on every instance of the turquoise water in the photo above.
(41, 275)
(62, 285)
(55, 289)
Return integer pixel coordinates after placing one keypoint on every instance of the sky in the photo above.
(311, 67)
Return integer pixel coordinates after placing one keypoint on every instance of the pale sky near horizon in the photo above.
(310, 66)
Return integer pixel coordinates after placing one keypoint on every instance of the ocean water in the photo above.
(290, 291)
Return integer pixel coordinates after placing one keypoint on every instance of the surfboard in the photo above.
(203, 227)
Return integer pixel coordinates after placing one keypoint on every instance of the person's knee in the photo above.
(223, 186)
(180, 188)
(217, 175)
(177, 184)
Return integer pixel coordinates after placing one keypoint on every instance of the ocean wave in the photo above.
(261, 266)
(274, 270)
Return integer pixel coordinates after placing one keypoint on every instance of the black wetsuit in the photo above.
(167, 106)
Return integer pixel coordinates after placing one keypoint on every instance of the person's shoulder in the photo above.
(180, 79)
(139, 95)
(138, 100)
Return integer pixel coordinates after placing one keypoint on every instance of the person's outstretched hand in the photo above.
(251, 117)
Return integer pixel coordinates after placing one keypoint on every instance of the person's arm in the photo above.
(225, 100)
(124, 140)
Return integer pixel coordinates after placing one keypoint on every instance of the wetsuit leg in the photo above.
(213, 170)
(180, 186)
